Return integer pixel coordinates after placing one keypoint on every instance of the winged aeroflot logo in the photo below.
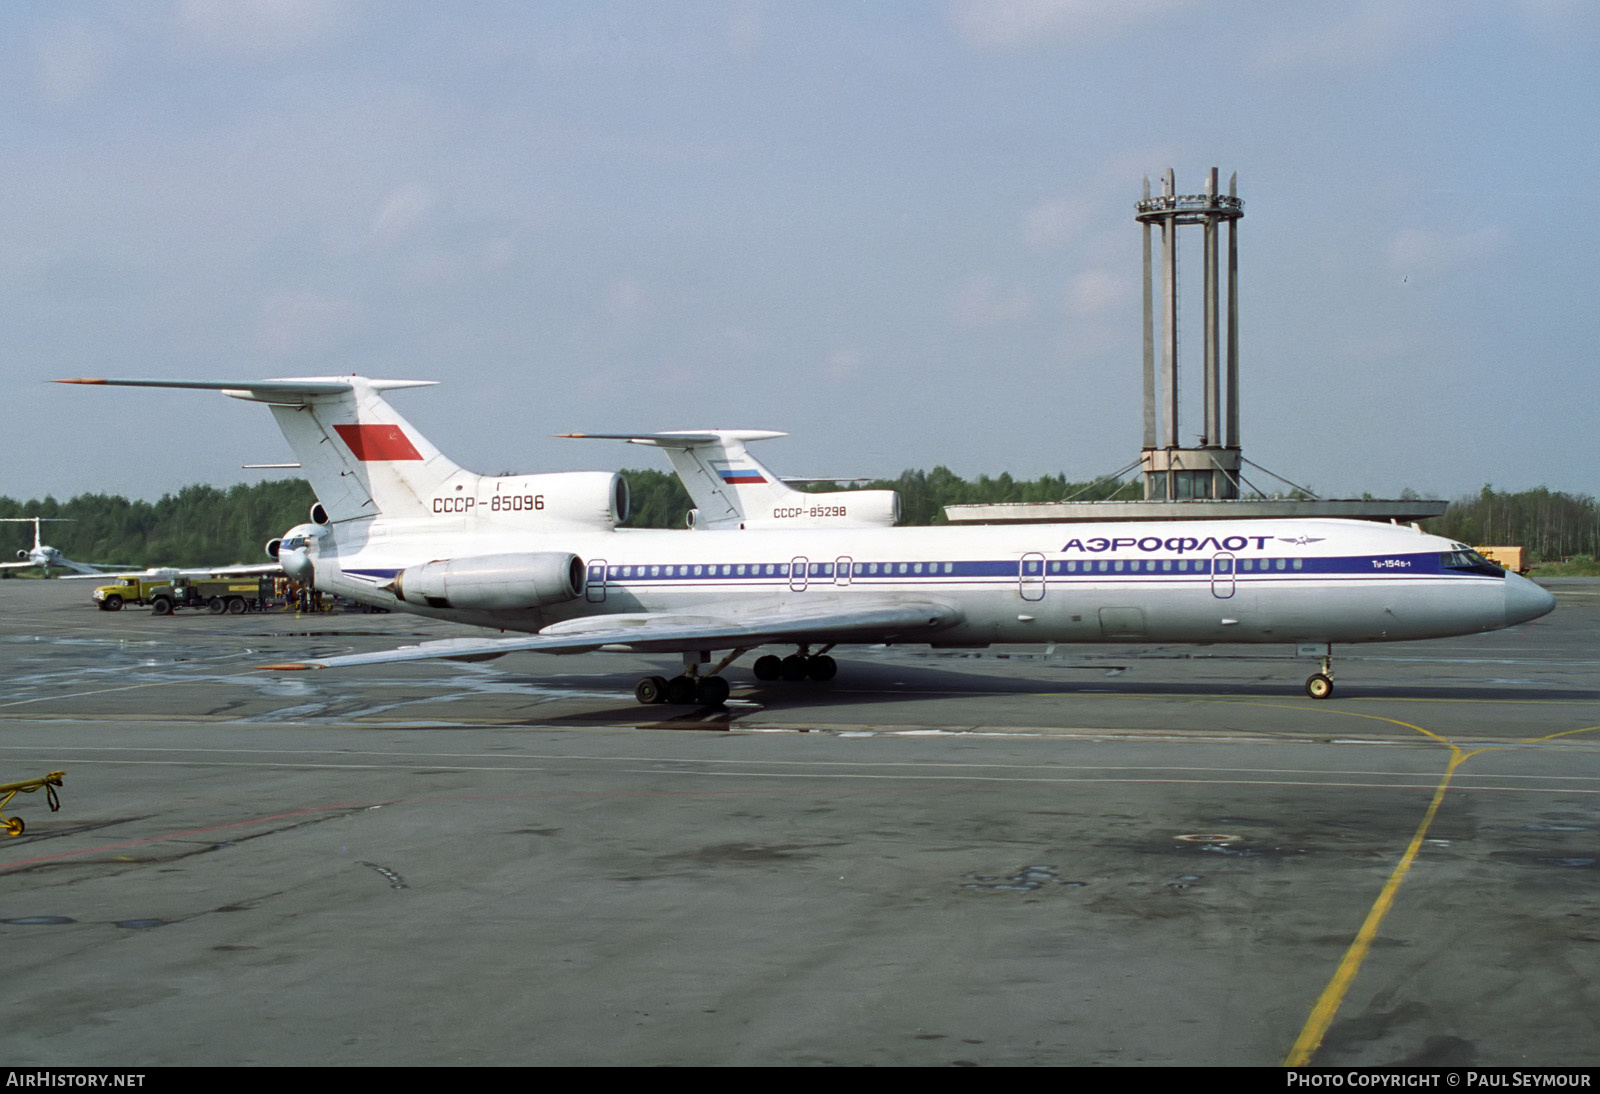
(373, 443)
(1300, 541)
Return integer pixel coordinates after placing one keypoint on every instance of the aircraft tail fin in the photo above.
(732, 489)
(359, 455)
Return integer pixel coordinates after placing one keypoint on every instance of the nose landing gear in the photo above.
(1319, 685)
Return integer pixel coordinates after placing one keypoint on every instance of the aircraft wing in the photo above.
(859, 620)
(262, 569)
(79, 569)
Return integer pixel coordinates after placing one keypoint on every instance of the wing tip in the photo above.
(290, 666)
(80, 380)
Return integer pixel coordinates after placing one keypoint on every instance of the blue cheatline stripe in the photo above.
(1057, 571)
(1054, 570)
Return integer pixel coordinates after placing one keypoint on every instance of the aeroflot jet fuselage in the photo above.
(400, 526)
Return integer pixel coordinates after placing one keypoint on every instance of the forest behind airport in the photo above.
(212, 526)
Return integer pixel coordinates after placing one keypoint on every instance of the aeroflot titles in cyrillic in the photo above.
(1175, 544)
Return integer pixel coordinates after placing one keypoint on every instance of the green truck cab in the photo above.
(217, 595)
(166, 594)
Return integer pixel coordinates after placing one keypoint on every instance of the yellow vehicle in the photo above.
(131, 590)
(1507, 558)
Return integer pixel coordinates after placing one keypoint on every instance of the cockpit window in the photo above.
(1465, 559)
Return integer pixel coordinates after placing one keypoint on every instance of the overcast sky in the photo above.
(902, 232)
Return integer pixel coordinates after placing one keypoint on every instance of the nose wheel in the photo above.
(1319, 685)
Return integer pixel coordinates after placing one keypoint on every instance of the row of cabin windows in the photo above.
(1168, 565)
(781, 569)
(1031, 566)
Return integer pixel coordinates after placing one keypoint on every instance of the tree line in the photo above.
(207, 525)
(1550, 524)
(197, 526)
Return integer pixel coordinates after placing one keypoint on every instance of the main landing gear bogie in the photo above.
(708, 691)
(796, 666)
(711, 689)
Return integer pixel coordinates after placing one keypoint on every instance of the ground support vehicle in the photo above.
(1514, 559)
(216, 595)
(131, 590)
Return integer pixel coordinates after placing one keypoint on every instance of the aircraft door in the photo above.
(841, 570)
(595, 591)
(1030, 576)
(797, 573)
(1222, 567)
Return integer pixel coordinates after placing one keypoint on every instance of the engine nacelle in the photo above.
(877, 508)
(835, 509)
(493, 582)
(583, 499)
(22, 556)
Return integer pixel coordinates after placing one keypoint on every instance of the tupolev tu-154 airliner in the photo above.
(42, 556)
(398, 525)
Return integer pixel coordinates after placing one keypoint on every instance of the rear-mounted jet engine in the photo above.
(493, 582)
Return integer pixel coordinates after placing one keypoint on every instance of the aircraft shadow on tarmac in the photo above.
(872, 683)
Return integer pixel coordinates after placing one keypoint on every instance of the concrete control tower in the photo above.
(1205, 480)
(1210, 470)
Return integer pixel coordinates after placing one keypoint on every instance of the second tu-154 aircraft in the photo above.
(398, 525)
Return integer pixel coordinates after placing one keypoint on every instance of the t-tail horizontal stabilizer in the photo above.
(360, 456)
(365, 461)
(731, 489)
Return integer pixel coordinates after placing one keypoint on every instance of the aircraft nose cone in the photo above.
(297, 567)
(1525, 600)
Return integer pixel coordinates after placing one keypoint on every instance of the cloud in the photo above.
(259, 28)
(984, 302)
(1562, 26)
(399, 211)
(1096, 292)
(70, 60)
(628, 300)
(436, 268)
(297, 323)
(1003, 24)
(745, 28)
(1419, 253)
(842, 364)
(1362, 36)
(1051, 225)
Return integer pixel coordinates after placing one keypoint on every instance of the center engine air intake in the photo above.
(493, 582)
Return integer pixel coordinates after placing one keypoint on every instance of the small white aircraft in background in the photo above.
(732, 489)
(398, 525)
(41, 556)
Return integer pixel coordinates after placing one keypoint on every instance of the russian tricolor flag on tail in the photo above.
(738, 476)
